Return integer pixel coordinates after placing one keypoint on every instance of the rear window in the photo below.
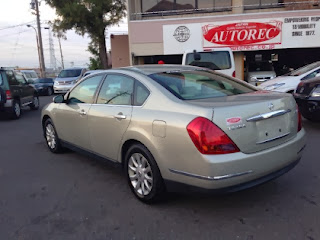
(260, 67)
(214, 60)
(304, 69)
(191, 85)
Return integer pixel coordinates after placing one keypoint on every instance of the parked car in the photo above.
(15, 93)
(307, 97)
(289, 82)
(29, 74)
(67, 78)
(44, 86)
(260, 72)
(178, 127)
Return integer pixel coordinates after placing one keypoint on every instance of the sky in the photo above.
(18, 46)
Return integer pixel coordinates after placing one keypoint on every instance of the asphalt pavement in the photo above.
(71, 196)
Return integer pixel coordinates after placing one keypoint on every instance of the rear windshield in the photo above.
(69, 73)
(304, 69)
(218, 60)
(200, 84)
(260, 67)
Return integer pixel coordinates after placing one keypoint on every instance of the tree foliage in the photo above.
(95, 62)
(89, 16)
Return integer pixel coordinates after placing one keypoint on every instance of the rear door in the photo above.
(110, 116)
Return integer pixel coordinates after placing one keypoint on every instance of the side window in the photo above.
(141, 94)
(11, 79)
(116, 90)
(311, 75)
(84, 92)
(20, 78)
(1, 81)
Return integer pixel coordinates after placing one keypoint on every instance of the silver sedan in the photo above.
(178, 128)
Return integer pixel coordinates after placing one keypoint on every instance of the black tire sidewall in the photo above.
(49, 91)
(158, 186)
(14, 114)
(32, 106)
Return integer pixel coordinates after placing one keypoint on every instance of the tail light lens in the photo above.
(210, 139)
(234, 74)
(8, 94)
(299, 119)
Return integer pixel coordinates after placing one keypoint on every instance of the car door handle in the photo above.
(83, 112)
(120, 116)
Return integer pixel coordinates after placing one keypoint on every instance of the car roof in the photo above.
(158, 68)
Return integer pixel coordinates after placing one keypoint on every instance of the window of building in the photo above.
(175, 6)
(253, 4)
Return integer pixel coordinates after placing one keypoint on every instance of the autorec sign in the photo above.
(254, 34)
(243, 35)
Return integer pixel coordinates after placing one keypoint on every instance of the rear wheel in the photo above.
(51, 137)
(35, 103)
(143, 174)
(16, 109)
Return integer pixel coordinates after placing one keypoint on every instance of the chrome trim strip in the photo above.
(209, 178)
(272, 139)
(268, 115)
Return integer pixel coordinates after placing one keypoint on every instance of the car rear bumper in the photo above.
(181, 187)
(216, 172)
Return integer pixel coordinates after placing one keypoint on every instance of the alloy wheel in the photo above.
(17, 109)
(50, 136)
(140, 174)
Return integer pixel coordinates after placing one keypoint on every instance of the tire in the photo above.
(143, 174)
(49, 91)
(51, 137)
(35, 103)
(16, 110)
(3, 97)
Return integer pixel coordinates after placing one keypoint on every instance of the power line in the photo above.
(14, 26)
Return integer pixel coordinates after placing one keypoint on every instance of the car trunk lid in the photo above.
(254, 121)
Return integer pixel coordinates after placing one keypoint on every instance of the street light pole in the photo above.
(43, 69)
(40, 65)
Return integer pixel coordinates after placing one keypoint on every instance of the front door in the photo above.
(72, 117)
(109, 118)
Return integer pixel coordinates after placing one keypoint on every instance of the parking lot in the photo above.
(71, 196)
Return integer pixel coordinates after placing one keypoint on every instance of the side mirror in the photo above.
(58, 99)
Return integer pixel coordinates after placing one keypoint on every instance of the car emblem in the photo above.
(270, 106)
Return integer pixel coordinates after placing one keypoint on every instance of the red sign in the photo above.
(233, 120)
(244, 33)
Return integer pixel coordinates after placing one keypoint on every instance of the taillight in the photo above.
(8, 94)
(299, 119)
(234, 74)
(210, 139)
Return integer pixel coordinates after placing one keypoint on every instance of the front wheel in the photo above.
(51, 137)
(35, 103)
(50, 91)
(143, 174)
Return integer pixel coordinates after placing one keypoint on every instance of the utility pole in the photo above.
(59, 37)
(42, 65)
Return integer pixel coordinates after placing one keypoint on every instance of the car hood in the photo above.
(288, 80)
(69, 79)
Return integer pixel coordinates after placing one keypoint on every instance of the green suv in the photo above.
(15, 92)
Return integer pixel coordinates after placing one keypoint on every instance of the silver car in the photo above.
(67, 78)
(178, 128)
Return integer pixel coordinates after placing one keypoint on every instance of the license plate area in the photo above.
(273, 129)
